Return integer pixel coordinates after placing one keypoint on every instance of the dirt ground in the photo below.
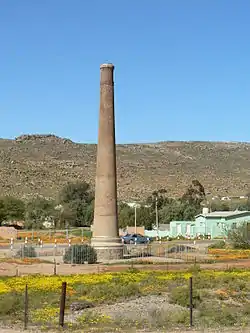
(13, 269)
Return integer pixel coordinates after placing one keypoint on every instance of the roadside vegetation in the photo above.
(157, 299)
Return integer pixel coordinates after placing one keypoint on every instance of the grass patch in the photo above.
(11, 306)
(180, 296)
(215, 314)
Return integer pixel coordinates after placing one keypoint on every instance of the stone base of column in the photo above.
(107, 248)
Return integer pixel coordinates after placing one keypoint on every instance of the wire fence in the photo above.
(104, 303)
(63, 308)
(98, 300)
(83, 253)
(75, 235)
(54, 233)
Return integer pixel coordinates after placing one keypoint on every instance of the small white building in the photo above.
(48, 223)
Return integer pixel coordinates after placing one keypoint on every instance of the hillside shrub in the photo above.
(79, 254)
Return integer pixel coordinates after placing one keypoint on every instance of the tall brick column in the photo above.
(106, 238)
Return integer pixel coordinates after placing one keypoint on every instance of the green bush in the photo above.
(239, 237)
(79, 254)
(26, 252)
(218, 245)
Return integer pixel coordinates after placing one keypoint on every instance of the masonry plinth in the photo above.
(106, 238)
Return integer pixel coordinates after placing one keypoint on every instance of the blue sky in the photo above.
(182, 68)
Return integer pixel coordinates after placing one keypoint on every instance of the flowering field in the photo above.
(229, 254)
(220, 298)
(48, 240)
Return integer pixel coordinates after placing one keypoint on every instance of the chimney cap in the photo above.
(108, 65)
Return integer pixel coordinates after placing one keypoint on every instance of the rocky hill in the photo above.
(42, 164)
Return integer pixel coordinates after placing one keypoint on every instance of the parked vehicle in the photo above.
(135, 239)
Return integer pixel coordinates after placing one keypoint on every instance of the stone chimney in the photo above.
(106, 238)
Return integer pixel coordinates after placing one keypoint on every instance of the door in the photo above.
(178, 229)
(188, 230)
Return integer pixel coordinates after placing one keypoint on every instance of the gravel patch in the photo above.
(132, 309)
(139, 308)
(147, 307)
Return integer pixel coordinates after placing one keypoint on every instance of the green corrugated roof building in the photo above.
(214, 224)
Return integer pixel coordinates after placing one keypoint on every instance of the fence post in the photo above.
(191, 300)
(72, 255)
(62, 304)
(11, 243)
(54, 266)
(22, 251)
(55, 248)
(26, 307)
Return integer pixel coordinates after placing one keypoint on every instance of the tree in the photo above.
(221, 206)
(161, 198)
(76, 191)
(177, 210)
(89, 213)
(65, 216)
(77, 202)
(83, 212)
(126, 215)
(145, 217)
(38, 210)
(189, 212)
(171, 212)
(2, 211)
(194, 194)
(12, 208)
(170, 209)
